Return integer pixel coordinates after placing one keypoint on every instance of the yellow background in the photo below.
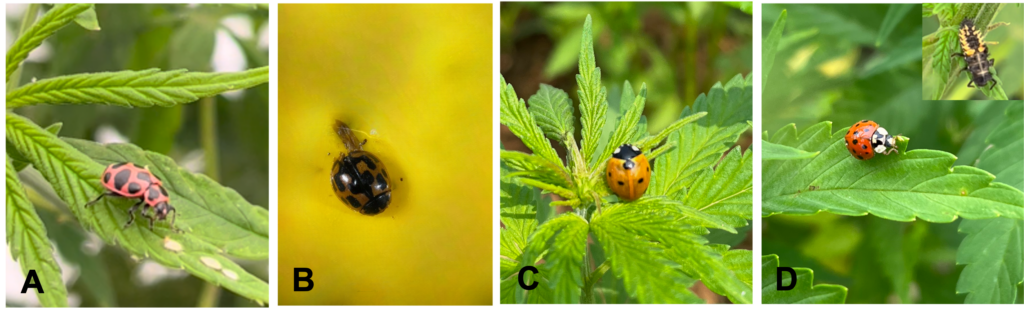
(415, 80)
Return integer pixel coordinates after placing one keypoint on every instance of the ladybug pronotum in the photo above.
(358, 177)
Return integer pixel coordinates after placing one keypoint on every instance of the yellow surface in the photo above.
(416, 81)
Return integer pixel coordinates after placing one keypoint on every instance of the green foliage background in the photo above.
(680, 49)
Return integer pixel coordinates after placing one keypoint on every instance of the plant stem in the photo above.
(591, 281)
(208, 135)
(586, 296)
(210, 295)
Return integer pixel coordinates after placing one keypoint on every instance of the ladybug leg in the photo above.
(136, 207)
(131, 218)
(993, 84)
(174, 215)
(145, 208)
(100, 197)
(970, 83)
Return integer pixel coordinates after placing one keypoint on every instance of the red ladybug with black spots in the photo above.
(866, 138)
(359, 178)
(130, 181)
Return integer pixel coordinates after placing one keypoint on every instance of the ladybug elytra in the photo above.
(359, 178)
(629, 172)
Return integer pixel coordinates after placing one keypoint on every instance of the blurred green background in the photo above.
(680, 49)
(142, 36)
(1009, 56)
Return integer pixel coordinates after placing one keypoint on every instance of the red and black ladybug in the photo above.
(866, 138)
(359, 178)
(126, 180)
(130, 181)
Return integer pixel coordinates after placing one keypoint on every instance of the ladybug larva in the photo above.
(358, 177)
(975, 54)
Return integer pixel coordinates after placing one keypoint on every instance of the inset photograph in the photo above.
(973, 51)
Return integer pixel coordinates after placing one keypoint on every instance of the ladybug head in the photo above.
(162, 210)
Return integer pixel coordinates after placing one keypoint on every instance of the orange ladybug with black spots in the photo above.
(866, 139)
(629, 172)
(359, 178)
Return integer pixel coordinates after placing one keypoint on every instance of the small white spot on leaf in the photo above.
(172, 245)
(211, 262)
(230, 274)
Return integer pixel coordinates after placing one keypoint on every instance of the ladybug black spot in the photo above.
(134, 188)
(382, 182)
(377, 204)
(366, 177)
(106, 178)
(121, 178)
(621, 183)
(118, 165)
(864, 121)
(855, 141)
(859, 157)
(353, 201)
(864, 147)
(368, 160)
(640, 181)
(609, 174)
(153, 194)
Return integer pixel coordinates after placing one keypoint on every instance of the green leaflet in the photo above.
(892, 18)
(44, 28)
(770, 47)
(552, 109)
(805, 291)
(146, 88)
(994, 248)
(593, 97)
(26, 238)
(519, 205)
(725, 192)
(901, 187)
(521, 123)
(773, 151)
(632, 108)
(563, 240)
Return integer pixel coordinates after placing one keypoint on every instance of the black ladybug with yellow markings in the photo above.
(359, 178)
(975, 54)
